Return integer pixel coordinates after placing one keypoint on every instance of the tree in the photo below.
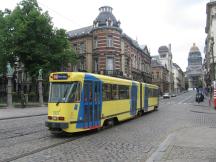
(5, 51)
(32, 38)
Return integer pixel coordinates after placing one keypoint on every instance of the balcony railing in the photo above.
(115, 73)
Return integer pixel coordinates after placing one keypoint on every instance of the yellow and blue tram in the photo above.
(83, 101)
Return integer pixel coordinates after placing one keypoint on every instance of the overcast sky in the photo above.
(154, 23)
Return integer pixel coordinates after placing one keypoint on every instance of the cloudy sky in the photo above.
(154, 23)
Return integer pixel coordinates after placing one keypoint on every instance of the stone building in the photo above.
(160, 76)
(194, 70)
(103, 48)
(210, 45)
(179, 79)
(165, 58)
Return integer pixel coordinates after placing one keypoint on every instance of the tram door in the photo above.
(92, 103)
(133, 99)
(146, 96)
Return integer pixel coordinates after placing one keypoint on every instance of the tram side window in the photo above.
(123, 92)
(115, 92)
(153, 92)
(107, 92)
(150, 92)
(156, 92)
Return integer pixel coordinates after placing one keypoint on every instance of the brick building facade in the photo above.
(160, 76)
(103, 48)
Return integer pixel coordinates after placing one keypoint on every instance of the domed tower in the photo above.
(194, 57)
(106, 42)
(194, 70)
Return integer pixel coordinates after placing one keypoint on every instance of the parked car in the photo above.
(173, 95)
(166, 95)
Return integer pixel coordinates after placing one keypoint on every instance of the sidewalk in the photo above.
(187, 145)
(195, 144)
(10, 113)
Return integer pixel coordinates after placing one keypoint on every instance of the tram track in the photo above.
(36, 150)
(70, 139)
(20, 134)
(20, 127)
(20, 117)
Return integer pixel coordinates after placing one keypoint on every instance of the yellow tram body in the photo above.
(83, 101)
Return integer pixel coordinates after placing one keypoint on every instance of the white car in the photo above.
(173, 95)
(166, 95)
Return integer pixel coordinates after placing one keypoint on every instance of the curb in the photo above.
(158, 154)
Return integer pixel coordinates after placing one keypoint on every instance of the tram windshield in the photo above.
(64, 92)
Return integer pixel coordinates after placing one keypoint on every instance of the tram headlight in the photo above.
(61, 118)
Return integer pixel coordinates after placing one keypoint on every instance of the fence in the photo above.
(23, 92)
(3, 90)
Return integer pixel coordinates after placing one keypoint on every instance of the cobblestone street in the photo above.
(27, 139)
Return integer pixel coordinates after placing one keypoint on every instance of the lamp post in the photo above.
(10, 72)
(40, 87)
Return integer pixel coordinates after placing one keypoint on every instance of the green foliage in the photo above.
(4, 39)
(28, 34)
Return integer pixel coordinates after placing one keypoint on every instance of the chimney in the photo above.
(170, 47)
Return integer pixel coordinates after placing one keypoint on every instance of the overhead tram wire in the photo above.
(66, 18)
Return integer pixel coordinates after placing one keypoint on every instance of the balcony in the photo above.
(114, 73)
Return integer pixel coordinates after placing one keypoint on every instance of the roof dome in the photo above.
(106, 18)
(194, 48)
(163, 49)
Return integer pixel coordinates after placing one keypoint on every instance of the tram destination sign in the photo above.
(60, 76)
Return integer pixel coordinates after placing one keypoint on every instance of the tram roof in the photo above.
(104, 77)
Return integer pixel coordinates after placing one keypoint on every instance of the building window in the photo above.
(136, 62)
(142, 66)
(158, 76)
(82, 48)
(75, 47)
(95, 42)
(163, 55)
(82, 66)
(95, 63)
(109, 63)
(109, 41)
(127, 65)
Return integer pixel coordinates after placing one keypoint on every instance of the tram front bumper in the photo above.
(56, 125)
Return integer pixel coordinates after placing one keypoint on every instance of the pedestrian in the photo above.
(210, 95)
(198, 97)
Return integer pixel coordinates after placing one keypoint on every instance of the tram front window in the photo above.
(64, 92)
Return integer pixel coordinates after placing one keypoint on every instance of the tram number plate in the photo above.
(55, 112)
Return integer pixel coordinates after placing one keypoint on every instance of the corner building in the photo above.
(104, 49)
